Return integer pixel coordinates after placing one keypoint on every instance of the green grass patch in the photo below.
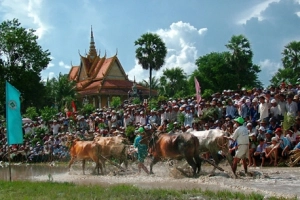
(54, 190)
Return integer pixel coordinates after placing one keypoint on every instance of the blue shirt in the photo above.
(297, 146)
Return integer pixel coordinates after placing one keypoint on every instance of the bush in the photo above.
(31, 113)
(115, 102)
(129, 131)
(88, 109)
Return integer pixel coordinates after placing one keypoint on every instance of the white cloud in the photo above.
(48, 75)
(182, 52)
(202, 31)
(138, 73)
(255, 11)
(268, 70)
(269, 66)
(27, 11)
(63, 65)
(50, 65)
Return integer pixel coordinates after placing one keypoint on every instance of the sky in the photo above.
(189, 28)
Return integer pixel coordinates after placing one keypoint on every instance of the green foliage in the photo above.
(40, 131)
(291, 65)
(48, 113)
(116, 102)
(129, 131)
(288, 121)
(61, 91)
(102, 125)
(174, 82)
(161, 98)
(154, 83)
(65, 190)
(170, 127)
(35, 140)
(27, 136)
(136, 101)
(210, 114)
(153, 104)
(207, 94)
(22, 59)
(31, 112)
(222, 71)
(180, 119)
(87, 109)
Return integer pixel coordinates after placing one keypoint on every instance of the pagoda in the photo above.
(98, 79)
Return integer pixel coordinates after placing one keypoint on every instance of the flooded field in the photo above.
(275, 181)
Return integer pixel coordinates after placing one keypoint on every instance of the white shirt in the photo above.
(274, 110)
(55, 128)
(292, 108)
(240, 135)
(263, 109)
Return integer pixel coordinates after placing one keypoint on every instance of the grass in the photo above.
(54, 190)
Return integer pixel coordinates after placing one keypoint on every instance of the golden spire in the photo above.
(92, 52)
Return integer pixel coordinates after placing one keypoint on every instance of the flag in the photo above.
(73, 106)
(198, 95)
(13, 115)
(198, 90)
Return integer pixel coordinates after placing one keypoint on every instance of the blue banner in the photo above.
(13, 115)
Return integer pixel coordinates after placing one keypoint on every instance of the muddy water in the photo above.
(29, 172)
(268, 181)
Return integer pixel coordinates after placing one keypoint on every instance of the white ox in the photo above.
(212, 141)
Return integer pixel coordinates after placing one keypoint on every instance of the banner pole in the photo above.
(9, 166)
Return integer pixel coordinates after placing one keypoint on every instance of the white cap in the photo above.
(273, 101)
(255, 100)
(252, 134)
(261, 128)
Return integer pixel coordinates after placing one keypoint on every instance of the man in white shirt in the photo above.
(55, 127)
(263, 108)
(274, 110)
(241, 136)
(281, 106)
(291, 106)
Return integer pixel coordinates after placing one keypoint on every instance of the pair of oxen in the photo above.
(161, 146)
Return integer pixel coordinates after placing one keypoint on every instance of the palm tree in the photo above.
(151, 53)
(291, 64)
(291, 56)
(154, 83)
(241, 54)
(61, 90)
(174, 80)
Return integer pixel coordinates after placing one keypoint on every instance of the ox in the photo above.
(174, 146)
(113, 147)
(213, 141)
(82, 150)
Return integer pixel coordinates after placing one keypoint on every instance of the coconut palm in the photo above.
(151, 53)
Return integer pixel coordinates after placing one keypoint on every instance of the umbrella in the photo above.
(26, 120)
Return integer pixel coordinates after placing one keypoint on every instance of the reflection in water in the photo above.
(27, 172)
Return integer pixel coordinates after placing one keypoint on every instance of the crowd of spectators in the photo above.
(263, 110)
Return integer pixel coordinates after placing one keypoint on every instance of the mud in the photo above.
(269, 181)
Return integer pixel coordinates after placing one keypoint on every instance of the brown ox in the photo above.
(213, 141)
(175, 146)
(113, 147)
(82, 150)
